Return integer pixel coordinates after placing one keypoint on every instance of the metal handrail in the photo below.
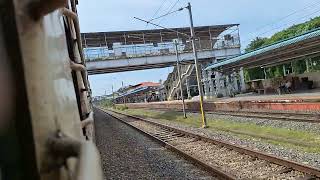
(88, 164)
(77, 67)
(74, 17)
(89, 120)
(186, 74)
(147, 50)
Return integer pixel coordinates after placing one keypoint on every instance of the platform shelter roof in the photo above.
(300, 46)
(101, 39)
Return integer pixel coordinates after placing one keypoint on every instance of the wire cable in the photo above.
(158, 25)
(173, 6)
(285, 17)
(158, 10)
(280, 20)
(290, 22)
(278, 27)
(166, 14)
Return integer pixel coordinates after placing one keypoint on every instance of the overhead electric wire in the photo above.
(173, 6)
(285, 17)
(288, 23)
(158, 25)
(158, 10)
(254, 33)
(166, 14)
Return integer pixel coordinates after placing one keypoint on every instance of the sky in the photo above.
(256, 18)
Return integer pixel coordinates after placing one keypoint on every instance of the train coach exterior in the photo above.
(50, 127)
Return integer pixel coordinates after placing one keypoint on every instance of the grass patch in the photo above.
(120, 107)
(300, 140)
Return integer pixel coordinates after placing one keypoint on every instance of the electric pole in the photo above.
(180, 79)
(204, 121)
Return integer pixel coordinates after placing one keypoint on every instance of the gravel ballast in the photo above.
(311, 159)
(127, 154)
(302, 126)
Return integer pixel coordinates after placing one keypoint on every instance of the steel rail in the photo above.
(312, 118)
(264, 156)
(292, 117)
(214, 170)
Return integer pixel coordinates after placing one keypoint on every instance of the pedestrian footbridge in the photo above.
(110, 52)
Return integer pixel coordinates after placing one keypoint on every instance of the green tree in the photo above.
(256, 43)
(290, 32)
(299, 66)
(254, 73)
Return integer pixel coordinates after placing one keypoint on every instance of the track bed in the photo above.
(127, 154)
(229, 161)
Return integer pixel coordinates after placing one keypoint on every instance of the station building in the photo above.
(296, 60)
(142, 92)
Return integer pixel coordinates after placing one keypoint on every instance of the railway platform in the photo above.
(302, 96)
(300, 101)
(296, 102)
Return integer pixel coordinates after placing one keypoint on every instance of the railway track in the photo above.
(223, 159)
(280, 116)
(305, 117)
(128, 154)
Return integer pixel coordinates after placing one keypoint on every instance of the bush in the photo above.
(107, 103)
(121, 107)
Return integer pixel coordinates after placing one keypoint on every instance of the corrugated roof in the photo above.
(152, 84)
(277, 45)
(100, 39)
(144, 86)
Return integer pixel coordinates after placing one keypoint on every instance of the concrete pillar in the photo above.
(308, 64)
(265, 73)
(228, 83)
(242, 80)
(235, 81)
(206, 83)
(284, 70)
(217, 82)
(211, 85)
(188, 88)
